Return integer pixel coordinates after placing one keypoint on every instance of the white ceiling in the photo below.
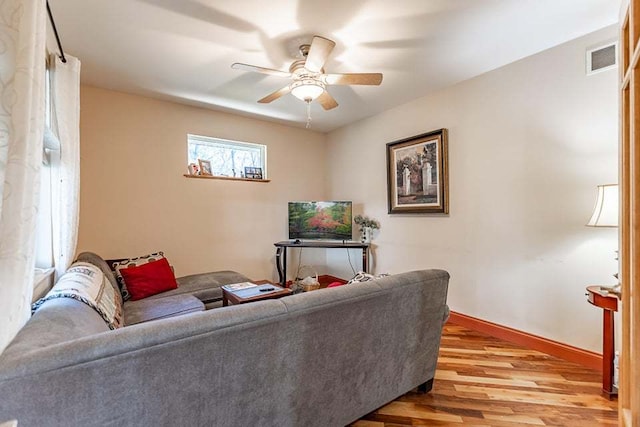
(182, 50)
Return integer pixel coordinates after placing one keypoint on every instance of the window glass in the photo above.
(44, 228)
(44, 231)
(228, 158)
(47, 99)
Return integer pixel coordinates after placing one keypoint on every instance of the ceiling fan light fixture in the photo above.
(307, 89)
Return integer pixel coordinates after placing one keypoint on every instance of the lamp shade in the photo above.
(307, 89)
(605, 212)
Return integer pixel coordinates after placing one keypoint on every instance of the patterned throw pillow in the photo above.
(132, 262)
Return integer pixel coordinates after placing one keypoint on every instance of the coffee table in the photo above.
(243, 296)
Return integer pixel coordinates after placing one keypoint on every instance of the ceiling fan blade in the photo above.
(275, 95)
(327, 101)
(373, 79)
(256, 69)
(318, 53)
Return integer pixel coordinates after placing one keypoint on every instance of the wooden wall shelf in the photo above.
(227, 178)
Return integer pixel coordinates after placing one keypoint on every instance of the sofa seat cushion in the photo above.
(148, 309)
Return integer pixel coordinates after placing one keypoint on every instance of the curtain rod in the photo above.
(55, 32)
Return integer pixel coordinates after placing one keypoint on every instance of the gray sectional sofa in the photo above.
(323, 358)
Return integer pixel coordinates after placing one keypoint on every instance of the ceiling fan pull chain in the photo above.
(308, 114)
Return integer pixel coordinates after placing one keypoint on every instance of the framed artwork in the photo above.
(252, 172)
(417, 174)
(205, 167)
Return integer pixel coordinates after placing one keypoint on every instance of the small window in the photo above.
(228, 158)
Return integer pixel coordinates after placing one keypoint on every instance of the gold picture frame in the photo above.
(417, 174)
(205, 167)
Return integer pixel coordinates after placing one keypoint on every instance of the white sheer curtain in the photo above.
(22, 71)
(65, 164)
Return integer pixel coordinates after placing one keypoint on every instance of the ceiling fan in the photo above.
(309, 79)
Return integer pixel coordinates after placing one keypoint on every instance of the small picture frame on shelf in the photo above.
(205, 167)
(251, 172)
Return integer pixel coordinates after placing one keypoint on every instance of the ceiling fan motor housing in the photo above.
(298, 69)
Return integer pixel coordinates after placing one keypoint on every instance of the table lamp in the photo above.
(605, 212)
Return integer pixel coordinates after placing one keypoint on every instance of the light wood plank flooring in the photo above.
(484, 381)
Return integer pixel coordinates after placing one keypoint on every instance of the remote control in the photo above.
(266, 289)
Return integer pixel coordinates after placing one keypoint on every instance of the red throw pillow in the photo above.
(335, 284)
(149, 279)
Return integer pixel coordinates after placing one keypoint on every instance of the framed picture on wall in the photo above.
(205, 167)
(417, 174)
(252, 172)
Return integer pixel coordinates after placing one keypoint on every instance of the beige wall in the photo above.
(134, 198)
(528, 143)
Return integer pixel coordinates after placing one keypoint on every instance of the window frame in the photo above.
(225, 142)
(43, 245)
(44, 227)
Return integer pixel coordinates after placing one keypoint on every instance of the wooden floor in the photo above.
(484, 381)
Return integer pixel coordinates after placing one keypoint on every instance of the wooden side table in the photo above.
(281, 253)
(244, 296)
(608, 302)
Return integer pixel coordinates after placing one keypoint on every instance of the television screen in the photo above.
(320, 220)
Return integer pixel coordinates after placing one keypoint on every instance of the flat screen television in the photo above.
(320, 220)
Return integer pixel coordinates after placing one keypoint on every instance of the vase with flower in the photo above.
(366, 225)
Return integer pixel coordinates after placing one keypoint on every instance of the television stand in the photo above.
(281, 253)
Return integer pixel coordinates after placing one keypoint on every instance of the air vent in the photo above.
(602, 58)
